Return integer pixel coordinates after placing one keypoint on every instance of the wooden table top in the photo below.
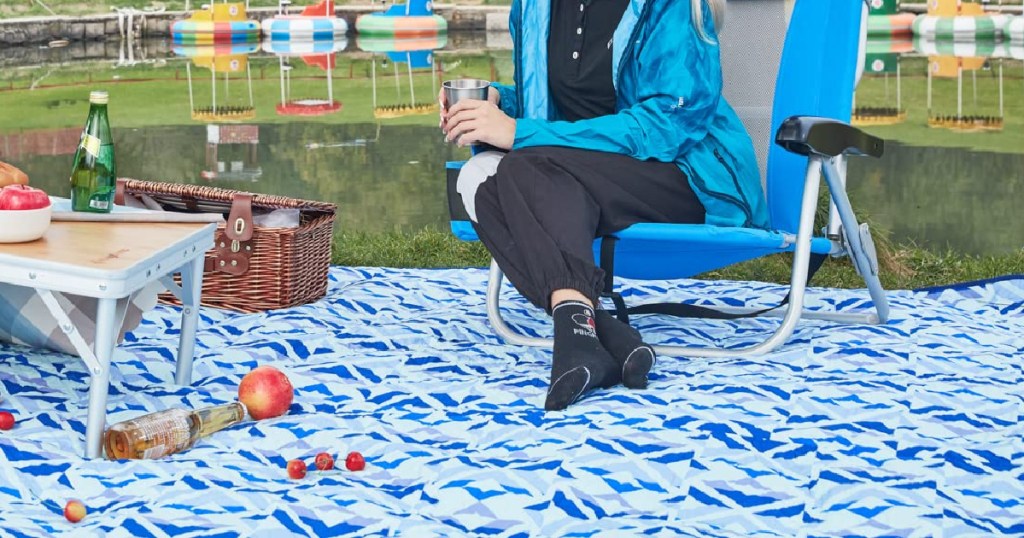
(103, 246)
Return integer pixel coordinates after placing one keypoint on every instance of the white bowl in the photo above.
(19, 226)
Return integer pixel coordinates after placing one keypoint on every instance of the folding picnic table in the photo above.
(110, 261)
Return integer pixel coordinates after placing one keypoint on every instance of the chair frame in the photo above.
(857, 245)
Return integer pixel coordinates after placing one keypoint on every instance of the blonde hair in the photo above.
(717, 8)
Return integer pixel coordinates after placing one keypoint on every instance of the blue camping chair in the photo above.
(791, 78)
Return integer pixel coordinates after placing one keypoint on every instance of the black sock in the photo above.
(579, 362)
(633, 356)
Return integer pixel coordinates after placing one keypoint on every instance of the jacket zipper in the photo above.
(744, 205)
(521, 112)
(703, 186)
(632, 40)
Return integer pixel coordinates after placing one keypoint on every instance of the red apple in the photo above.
(74, 511)
(6, 420)
(324, 461)
(20, 197)
(265, 392)
(297, 469)
(355, 462)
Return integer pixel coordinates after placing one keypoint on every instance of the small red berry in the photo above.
(74, 511)
(355, 462)
(324, 461)
(297, 469)
(6, 420)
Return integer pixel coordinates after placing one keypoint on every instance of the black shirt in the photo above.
(580, 56)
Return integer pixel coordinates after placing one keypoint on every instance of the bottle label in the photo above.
(163, 434)
(99, 204)
(91, 145)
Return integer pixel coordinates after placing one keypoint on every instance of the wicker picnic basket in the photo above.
(251, 268)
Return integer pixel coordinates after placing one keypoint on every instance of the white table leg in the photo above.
(106, 335)
(191, 291)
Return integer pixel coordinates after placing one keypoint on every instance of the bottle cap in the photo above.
(98, 98)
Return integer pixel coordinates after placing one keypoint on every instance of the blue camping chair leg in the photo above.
(792, 313)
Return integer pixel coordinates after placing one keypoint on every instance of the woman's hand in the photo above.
(472, 122)
(492, 97)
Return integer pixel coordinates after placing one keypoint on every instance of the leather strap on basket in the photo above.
(119, 192)
(234, 244)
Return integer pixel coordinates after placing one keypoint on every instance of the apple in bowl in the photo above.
(24, 213)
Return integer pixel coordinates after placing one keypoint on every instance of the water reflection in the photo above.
(354, 122)
(953, 118)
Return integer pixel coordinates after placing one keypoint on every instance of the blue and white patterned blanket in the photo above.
(909, 429)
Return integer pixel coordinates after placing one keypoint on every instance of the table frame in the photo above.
(186, 257)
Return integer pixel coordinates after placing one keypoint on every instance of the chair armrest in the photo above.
(809, 135)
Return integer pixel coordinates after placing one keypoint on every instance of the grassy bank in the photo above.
(905, 267)
(35, 8)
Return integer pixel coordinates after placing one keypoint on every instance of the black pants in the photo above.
(540, 212)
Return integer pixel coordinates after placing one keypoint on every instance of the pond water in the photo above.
(248, 118)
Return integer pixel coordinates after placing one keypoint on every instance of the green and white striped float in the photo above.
(1015, 29)
(977, 49)
(965, 28)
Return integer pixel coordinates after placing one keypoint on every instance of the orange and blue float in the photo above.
(222, 58)
(412, 19)
(218, 23)
(315, 23)
(418, 54)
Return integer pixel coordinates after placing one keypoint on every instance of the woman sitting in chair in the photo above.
(616, 117)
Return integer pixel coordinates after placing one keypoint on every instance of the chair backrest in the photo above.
(780, 60)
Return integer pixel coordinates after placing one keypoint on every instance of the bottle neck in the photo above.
(212, 419)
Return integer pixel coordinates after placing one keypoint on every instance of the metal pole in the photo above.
(248, 77)
(899, 87)
(1000, 89)
(191, 100)
(330, 80)
(959, 92)
(412, 92)
(280, 61)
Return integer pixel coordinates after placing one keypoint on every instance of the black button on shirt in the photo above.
(580, 56)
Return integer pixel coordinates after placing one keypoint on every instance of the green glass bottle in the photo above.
(94, 176)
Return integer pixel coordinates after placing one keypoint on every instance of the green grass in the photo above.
(906, 267)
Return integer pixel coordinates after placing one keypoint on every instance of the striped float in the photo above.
(299, 28)
(400, 26)
(900, 24)
(1015, 29)
(977, 49)
(965, 28)
(302, 48)
(188, 32)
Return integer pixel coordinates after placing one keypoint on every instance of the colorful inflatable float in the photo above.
(223, 61)
(320, 55)
(882, 60)
(315, 23)
(951, 60)
(416, 54)
(953, 20)
(217, 23)
(886, 21)
(412, 19)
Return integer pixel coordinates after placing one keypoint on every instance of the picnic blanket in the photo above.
(913, 428)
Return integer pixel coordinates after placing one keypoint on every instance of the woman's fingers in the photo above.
(455, 117)
(465, 126)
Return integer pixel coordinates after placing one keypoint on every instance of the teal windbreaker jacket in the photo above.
(668, 82)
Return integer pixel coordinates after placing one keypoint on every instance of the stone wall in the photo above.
(100, 27)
